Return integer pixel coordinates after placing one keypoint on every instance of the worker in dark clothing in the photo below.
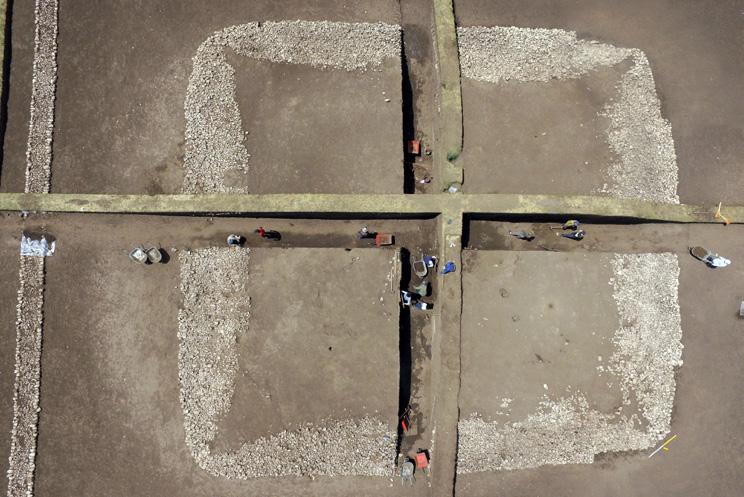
(365, 233)
(523, 235)
(574, 235)
(234, 240)
(269, 234)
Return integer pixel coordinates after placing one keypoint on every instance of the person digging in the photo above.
(574, 235)
(268, 234)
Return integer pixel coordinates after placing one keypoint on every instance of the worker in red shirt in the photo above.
(268, 234)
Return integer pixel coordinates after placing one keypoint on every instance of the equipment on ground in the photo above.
(142, 255)
(419, 266)
(154, 255)
(138, 255)
(711, 259)
(383, 239)
(406, 473)
(422, 461)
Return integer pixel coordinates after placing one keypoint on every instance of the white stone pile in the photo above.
(507, 53)
(646, 165)
(350, 447)
(216, 309)
(648, 348)
(648, 344)
(214, 135)
(641, 138)
(563, 431)
(29, 319)
(43, 94)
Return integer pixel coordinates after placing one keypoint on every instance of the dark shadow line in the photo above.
(409, 129)
(5, 89)
(404, 348)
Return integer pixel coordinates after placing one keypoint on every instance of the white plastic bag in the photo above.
(36, 248)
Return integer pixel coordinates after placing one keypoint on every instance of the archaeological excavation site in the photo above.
(378, 247)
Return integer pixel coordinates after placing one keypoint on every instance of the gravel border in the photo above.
(500, 54)
(648, 348)
(648, 344)
(43, 94)
(214, 133)
(646, 165)
(29, 310)
(216, 309)
(641, 138)
(29, 318)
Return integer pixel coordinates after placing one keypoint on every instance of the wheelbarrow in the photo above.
(406, 473)
(383, 239)
(138, 255)
(154, 255)
(142, 255)
(419, 266)
(711, 259)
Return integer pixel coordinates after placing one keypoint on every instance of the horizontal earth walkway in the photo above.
(369, 204)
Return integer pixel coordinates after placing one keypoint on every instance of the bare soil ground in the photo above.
(516, 131)
(694, 51)
(299, 340)
(706, 457)
(320, 131)
(534, 319)
(111, 419)
(122, 81)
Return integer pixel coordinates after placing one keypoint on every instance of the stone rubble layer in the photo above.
(646, 164)
(29, 317)
(214, 134)
(648, 344)
(648, 348)
(507, 53)
(215, 313)
(43, 94)
(641, 138)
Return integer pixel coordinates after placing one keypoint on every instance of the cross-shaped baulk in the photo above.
(451, 209)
